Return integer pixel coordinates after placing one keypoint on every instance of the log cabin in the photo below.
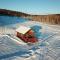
(26, 34)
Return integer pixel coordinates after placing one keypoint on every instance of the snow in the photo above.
(23, 29)
(12, 48)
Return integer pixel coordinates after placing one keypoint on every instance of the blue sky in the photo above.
(32, 6)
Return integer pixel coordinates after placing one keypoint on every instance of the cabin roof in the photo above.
(23, 29)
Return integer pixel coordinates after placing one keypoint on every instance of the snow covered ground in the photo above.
(48, 47)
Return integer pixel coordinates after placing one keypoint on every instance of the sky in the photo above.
(32, 6)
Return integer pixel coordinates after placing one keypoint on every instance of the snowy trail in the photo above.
(10, 50)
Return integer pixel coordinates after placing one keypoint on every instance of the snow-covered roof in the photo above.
(23, 29)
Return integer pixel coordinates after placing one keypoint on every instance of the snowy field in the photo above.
(12, 48)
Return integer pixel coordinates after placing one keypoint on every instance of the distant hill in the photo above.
(13, 13)
(50, 19)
